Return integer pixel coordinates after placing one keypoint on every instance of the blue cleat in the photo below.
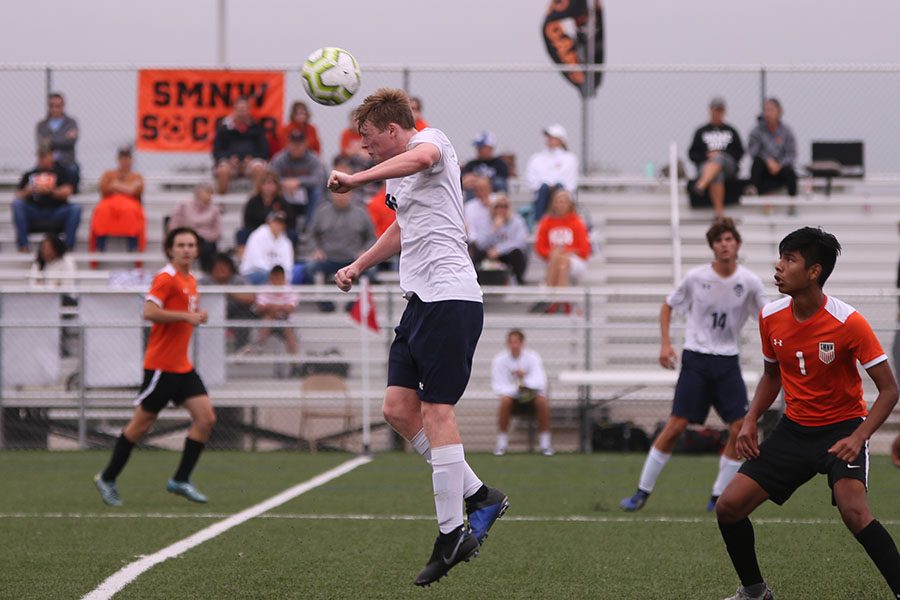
(636, 502)
(186, 489)
(711, 505)
(482, 515)
(109, 493)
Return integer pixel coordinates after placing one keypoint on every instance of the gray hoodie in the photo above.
(779, 144)
(59, 139)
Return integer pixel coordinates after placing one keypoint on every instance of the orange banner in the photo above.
(178, 111)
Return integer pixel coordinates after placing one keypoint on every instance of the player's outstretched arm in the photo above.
(155, 314)
(384, 247)
(667, 356)
(846, 449)
(747, 443)
(420, 157)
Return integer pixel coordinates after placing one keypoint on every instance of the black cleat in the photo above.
(449, 550)
(482, 515)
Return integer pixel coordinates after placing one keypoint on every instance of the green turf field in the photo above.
(367, 533)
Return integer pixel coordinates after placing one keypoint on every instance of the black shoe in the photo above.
(482, 515)
(449, 550)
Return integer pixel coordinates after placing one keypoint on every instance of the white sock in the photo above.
(653, 466)
(728, 468)
(471, 482)
(502, 441)
(448, 464)
(544, 440)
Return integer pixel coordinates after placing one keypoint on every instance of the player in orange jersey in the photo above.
(811, 344)
(172, 307)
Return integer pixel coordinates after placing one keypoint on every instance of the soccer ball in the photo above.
(331, 76)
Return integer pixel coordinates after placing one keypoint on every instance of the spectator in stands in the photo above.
(42, 201)
(340, 231)
(240, 148)
(266, 199)
(298, 121)
(266, 247)
(716, 150)
(119, 213)
(52, 264)
(302, 175)
(200, 214)
(507, 240)
(477, 214)
(552, 168)
(380, 213)
(562, 240)
(238, 306)
(59, 132)
(277, 306)
(774, 151)
(351, 140)
(415, 103)
(486, 164)
(518, 377)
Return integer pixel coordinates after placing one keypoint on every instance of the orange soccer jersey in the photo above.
(167, 349)
(818, 358)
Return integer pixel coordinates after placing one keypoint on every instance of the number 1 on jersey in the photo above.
(802, 363)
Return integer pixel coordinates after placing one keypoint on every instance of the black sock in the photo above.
(480, 495)
(189, 458)
(881, 549)
(740, 542)
(453, 535)
(121, 452)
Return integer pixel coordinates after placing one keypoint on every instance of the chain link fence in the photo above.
(623, 130)
(71, 366)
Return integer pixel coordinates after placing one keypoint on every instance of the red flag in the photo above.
(364, 307)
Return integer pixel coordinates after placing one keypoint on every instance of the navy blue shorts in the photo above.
(708, 380)
(433, 348)
(794, 453)
(161, 387)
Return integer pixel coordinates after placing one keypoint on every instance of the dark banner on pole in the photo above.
(566, 36)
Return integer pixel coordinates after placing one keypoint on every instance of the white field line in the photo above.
(365, 517)
(129, 573)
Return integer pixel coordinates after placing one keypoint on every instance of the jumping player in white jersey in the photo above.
(431, 356)
(717, 298)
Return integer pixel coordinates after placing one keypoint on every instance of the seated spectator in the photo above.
(340, 231)
(51, 264)
(302, 175)
(266, 247)
(277, 306)
(477, 214)
(266, 199)
(119, 214)
(716, 150)
(562, 240)
(551, 168)
(507, 240)
(518, 377)
(351, 140)
(204, 217)
(774, 150)
(415, 103)
(240, 148)
(59, 132)
(297, 121)
(42, 202)
(354, 164)
(238, 306)
(380, 213)
(486, 164)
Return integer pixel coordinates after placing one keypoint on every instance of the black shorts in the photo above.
(793, 454)
(709, 380)
(433, 348)
(160, 387)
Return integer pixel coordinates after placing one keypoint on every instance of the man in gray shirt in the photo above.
(302, 175)
(340, 231)
(59, 132)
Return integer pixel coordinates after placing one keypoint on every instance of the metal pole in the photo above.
(48, 82)
(363, 326)
(222, 40)
(675, 215)
(406, 80)
(82, 417)
(763, 92)
(2, 335)
(586, 416)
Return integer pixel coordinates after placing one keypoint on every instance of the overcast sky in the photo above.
(425, 31)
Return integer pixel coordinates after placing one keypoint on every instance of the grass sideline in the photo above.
(343, 540)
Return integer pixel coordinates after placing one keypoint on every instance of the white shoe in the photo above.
(499, 451)
(741, 594)
(548, 451)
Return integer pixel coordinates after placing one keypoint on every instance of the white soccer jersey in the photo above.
(434, 260)
(717, 308)
(503, 378)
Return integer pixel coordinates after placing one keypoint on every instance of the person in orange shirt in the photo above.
(415, 103)
(382, 216)
(811, 344)
(298, 121)
(172, 306)
(562, 240)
